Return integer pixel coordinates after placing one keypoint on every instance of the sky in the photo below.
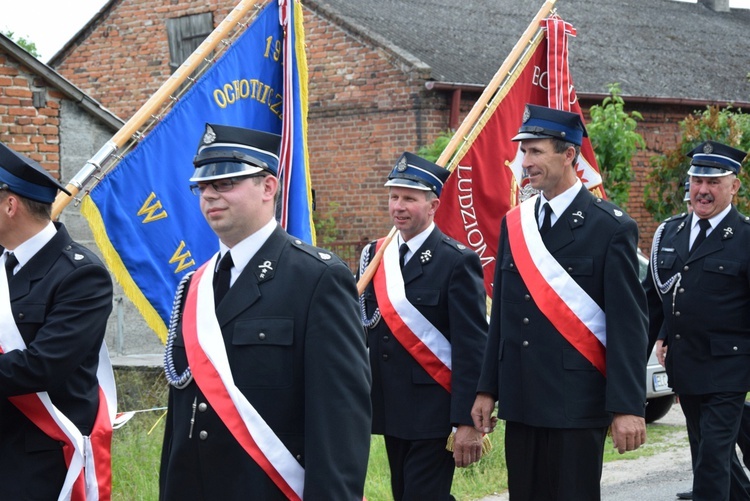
(51, 23)
(47, 23)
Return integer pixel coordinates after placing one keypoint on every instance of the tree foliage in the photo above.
(24, 43)
(432, 151)
(615, 142)
(664, 192)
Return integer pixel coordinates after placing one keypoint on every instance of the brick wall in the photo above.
(32, 131)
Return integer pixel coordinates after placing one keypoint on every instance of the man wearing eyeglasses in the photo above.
(265, 355)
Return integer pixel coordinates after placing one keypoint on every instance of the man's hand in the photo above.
(481, 413)
(661, 351)
(628, 432)
(467, 446)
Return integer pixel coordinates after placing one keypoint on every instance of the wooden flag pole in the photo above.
(105, 155)
(471, 119)
(500, 76)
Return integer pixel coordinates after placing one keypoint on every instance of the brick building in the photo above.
(389, 76)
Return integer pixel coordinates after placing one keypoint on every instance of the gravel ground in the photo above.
(657, 477)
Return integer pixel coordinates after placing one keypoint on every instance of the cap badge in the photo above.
(526, 114)
(708, 149)
(209, 136)
(324, 256)
(401, 165)
(425, 257)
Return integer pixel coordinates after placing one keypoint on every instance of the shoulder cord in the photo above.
(179, 381)
(674, 281)
(371, 322)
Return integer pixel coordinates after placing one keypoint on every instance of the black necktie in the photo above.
(705, 224)
(10, 263)
(402, 254)
(222, 278)
(547, 221)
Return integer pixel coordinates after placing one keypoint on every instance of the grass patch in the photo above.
(136, 449)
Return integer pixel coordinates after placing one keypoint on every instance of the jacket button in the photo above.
(525, 343)
(385, 356)
(721, 268)
(203, 435)
(512, 265)
(386, 339)
(299, 457)
(527, 298)
(21, 316)
(525, 321)
(681, 290)
(202, 407)
(262, 336)
(685, 268)
(570, 269)
(677, 313)
(735, 348)
(677, 336)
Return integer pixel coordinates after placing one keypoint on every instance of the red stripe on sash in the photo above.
(548, 301)
(211, 385)
(404, 335)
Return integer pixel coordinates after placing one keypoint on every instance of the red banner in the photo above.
(488, 178)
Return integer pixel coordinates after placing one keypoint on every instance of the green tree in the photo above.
(24, 43)
(432, 151)
(615, 142)
(664, 193)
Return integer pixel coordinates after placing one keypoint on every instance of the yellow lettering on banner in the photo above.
(184, 258)
(474, 236)
(150, 209)
(236, 90)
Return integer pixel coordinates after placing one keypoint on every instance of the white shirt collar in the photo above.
(30, 247)
(714, 220)
(246, 249)
(561, 201)
(416, 241)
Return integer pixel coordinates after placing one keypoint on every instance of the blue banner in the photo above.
(145, 220)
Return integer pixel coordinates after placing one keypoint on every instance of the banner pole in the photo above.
(502, 73)
(471, 119)
(129, 130)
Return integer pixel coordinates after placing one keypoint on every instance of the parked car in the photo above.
(659, 395)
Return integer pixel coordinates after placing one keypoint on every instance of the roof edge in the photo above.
(327, 11)
(57, 56)
(61, 83)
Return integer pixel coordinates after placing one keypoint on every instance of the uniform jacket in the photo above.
(708, 329)
(61, 300)
(447, 289)
(307, 376)
(536, 375)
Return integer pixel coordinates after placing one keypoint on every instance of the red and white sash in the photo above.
(422, 340)
(565, 304)
(207, 357)
(88, 458)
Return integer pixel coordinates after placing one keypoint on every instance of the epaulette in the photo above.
(77, 255)
(322, 255)
(609, 208)
(676, 217)
(454, 244)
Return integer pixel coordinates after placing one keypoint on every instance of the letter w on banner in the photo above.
(145, 219)
(487, 179)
